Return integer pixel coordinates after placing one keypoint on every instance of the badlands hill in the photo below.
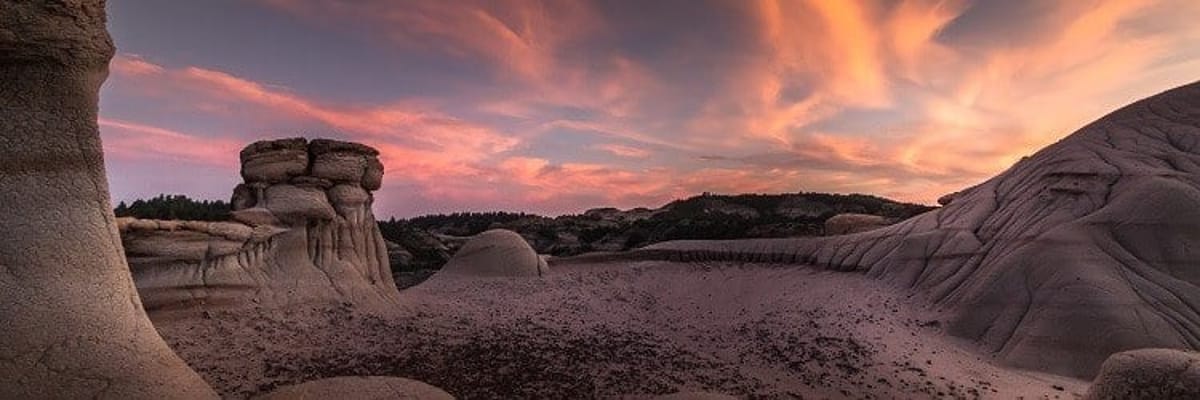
(1077, 252)
(1082, 250)
(423, 244)
(1018, 287)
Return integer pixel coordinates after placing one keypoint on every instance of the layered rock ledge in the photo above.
(302, 231)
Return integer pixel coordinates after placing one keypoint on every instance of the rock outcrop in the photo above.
(1149, 374)
(1096, 233)
(496, 253)
(73, 325)
(303, 232)
(359, 388)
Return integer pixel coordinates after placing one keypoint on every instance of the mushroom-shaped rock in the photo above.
(359, 388)
(1159, 374)
(297, 238)
(848, 223)
(498, 252)
(274, 161)
(72, 325)
(341, 161)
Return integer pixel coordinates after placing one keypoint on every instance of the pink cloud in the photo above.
(131, 140)
(623, 150)
(825, 95)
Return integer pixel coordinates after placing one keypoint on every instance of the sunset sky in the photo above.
(559, 106)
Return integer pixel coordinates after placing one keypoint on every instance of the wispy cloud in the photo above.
(624, 151)
(588, 103)
(132, 140)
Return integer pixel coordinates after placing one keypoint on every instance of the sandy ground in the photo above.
(617, 330)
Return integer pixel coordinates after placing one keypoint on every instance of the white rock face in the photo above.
(71, 323)
(1096, 233)
(496, 253)
(305, 239)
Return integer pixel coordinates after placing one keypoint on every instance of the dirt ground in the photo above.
(616, 330)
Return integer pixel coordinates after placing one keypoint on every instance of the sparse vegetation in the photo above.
(174, 206)
(701, 217)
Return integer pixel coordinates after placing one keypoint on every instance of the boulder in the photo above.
(496, 253)
(945, 200)
(1148, 374)
(359, 388)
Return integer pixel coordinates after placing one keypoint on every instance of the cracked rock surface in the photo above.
(71, 323)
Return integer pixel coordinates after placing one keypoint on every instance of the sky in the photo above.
(558, 106)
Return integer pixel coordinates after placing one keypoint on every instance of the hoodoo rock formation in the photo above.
(303, 232)
(1082, 250)
(72, 323)
(496, 253)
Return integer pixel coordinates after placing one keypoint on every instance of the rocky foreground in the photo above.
(617, 330)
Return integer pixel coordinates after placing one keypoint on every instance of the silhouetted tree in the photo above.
(175, 206)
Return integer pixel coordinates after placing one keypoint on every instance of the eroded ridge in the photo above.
(1082, 250)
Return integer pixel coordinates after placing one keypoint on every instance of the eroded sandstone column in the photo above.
(71, 323)
(320, 192)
